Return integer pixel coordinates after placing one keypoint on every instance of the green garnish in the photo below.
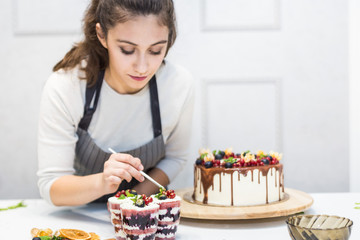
(122, 196)
(137, 197)
(51, 238)
(203, 156)
(161, 192)
(230, 160)
(357, 204)
(128, 194)
(20, 204)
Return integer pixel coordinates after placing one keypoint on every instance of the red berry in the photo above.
(117, 194)
(261, 163)
(237, 164)
(171, 195)
(148, 200)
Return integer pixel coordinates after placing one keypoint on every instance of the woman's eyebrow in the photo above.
(134, 44)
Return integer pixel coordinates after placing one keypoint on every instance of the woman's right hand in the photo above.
(119, 167)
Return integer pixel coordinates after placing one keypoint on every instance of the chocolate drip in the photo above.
(141, 221)
(207, 177)
(220, 182)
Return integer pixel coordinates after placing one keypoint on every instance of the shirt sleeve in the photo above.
(177, 144)
(57, 130)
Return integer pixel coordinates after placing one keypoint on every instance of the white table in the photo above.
(17, 223)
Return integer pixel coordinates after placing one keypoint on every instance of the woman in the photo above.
(115, 90)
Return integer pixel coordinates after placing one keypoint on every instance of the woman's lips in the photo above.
(138, 78)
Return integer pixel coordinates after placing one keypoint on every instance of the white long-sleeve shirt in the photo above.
(121, 121)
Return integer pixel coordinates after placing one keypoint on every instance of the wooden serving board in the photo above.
(295, 201)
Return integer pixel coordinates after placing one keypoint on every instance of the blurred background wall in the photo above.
(270, 75)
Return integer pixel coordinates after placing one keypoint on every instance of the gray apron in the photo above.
(90, 158)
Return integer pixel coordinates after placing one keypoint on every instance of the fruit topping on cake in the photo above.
(125, 194)
(229, 159)
(141, 200)
(165, 194)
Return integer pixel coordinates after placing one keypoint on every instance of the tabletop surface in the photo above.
(17, 223)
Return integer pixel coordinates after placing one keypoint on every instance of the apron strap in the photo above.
(95, 91)
(89, 95)
(155, 107)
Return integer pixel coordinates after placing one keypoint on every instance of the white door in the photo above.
(270, 75)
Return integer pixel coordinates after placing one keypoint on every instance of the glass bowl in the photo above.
(320, 227)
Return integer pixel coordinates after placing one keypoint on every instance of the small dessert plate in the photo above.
(321, 227)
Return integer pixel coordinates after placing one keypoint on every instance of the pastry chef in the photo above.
(115, 89)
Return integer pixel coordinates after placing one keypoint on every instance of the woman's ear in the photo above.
(101, 35)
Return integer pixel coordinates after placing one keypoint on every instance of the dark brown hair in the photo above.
(108, 13)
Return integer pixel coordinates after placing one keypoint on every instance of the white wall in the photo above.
(297, 51)
(354, 93)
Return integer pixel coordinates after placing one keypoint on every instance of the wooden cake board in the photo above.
(295, 201)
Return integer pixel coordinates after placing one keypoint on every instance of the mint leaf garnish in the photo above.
(203, 156)
(122, 196)
(230, 160)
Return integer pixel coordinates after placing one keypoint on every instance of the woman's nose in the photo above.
(141, 65)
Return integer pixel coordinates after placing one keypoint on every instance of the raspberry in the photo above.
(237, 164)
(148, 200)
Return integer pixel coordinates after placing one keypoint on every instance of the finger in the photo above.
(122, 173)
(114, 179)
(127, 171)
(127, 158)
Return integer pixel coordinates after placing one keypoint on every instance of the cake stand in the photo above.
(294, 202)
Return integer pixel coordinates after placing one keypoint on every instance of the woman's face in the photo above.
(136, 50)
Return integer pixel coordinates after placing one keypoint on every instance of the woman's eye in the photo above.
(155, 52)
(126, 52)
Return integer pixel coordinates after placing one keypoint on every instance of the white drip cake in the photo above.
(227, 179)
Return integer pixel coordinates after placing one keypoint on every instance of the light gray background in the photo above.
(270, 74)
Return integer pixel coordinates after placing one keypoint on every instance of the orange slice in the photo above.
(94, 236)
(74, 234)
